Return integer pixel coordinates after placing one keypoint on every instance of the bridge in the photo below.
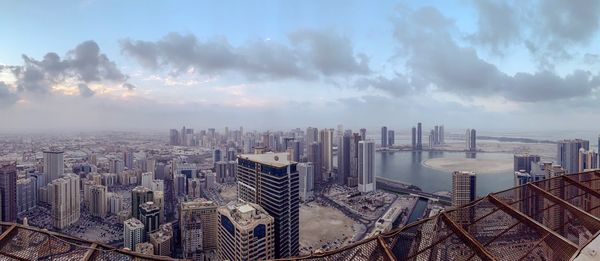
(405, 188)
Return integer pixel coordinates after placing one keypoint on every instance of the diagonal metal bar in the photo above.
(591, 222)
(386, 249)
(538, 243)
(15, 257)
(7, 231)
(90, 253)
(553, 237)
(581, 186)
(467, 239)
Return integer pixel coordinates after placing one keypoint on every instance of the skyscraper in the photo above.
(198, 227)
(463, 187)
(363, 134)
(8, 191)
(314, 156)
(524, 162)
(353, 173)
(64, 197)
(133, 233)
(150, 216)
(471, 140)
(54, 164)
(173, 138)
(419, 136)
(326, 139)
(237, 218)
(306, 175)
(312, 135)
(414, 138)
(139, 195)
(271, 181)
(384, 137)
(568, 154)
(366, 166)
(588, 159)
(391, 138)
(26, 193)
(98, 201)
(343, 157)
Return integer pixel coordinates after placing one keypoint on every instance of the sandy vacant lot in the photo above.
(323, 227)
(229, 192)
(477, 165)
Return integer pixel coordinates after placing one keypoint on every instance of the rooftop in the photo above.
(270, 158)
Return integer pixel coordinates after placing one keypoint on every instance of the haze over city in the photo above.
(113, 65)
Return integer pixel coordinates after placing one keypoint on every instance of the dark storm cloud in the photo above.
(497, 24)
(312, 53)
(7, 97)
(85, 64)
(85, 91)
(435, 59)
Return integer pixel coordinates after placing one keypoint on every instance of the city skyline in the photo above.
(497, 65)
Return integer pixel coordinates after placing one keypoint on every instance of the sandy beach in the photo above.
(478, 165)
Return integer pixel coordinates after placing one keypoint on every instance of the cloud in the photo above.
(83, 64)
(7, 97)
(435, 59)
(497, 24)
(571, 21)
(85, 91)
(590, 58)
(310, 55)
(396, 86)
(129, 86)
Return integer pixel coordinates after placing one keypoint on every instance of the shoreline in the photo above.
(479, 166)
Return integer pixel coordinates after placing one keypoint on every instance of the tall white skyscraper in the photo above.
(133, 233)
(64, 197)
(54, 164)
(306, 174)
(366, 165)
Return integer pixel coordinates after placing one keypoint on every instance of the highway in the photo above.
(403, 188)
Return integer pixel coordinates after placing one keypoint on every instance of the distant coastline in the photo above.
(510, 139)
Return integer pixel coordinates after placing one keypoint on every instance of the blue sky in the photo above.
(150, 64)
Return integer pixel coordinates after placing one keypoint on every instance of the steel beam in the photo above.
(90, 253)
(581, 186)
(591, 222)
(386, 249)
(553, 238)
(467, 239)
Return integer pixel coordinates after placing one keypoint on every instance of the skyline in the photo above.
(479, 64)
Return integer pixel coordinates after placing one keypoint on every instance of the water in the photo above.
(406, 166)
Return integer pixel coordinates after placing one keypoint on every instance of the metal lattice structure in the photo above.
(19, 242)
(551, 219)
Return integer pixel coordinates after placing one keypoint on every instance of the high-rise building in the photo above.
(8, 191)
(326, 139)
(173, 140)
(366, 166)
(162, 240)
(568, 154)
(221, 171)
(128, 158)
(296, 150)
(217, 156)
(150, 216)
(54, 164)
(391, 138)
(98, 201)
(312, 135)
(115, 203)
(419, 136)
(26, 193)
(384, 137)
(133, 233)
(314, 156)
(343, 159)
(64, 197)
(231, 154)
(272, 182)
(588, 160)
(463, 187)
(140, 195)
(471, 140)
(353, 174)
(193, 188)
(524, 162)
(198, 227)
(246, 232)
(363, 134)
(414, 138)
(306, 173)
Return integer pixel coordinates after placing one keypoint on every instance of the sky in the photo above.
(134, 65)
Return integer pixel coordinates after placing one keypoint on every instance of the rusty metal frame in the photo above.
(533, 223)
(90, 253)
(591, 222)
(581, 186)
(468, 240)
(8, 231)
(386, 249)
